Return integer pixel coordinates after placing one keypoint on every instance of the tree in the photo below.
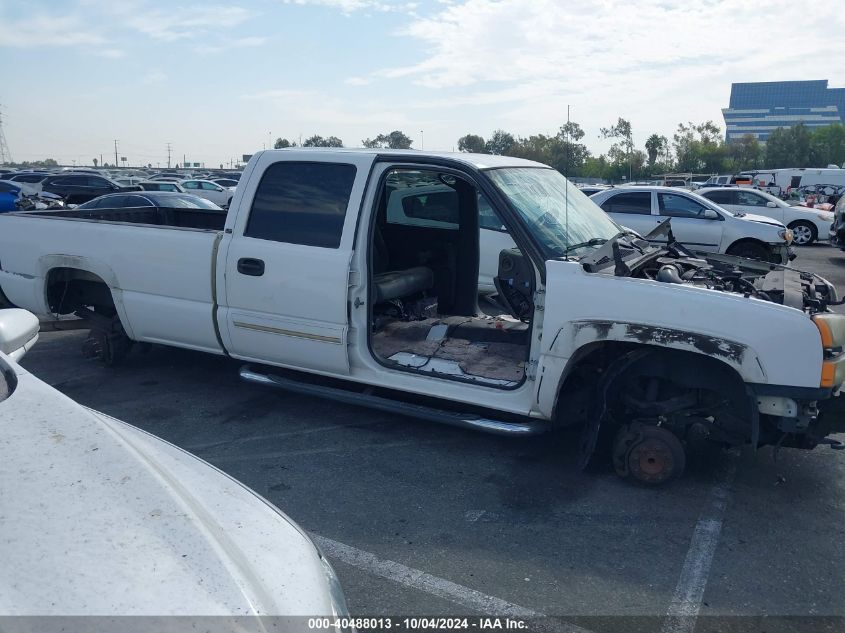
(281, 143)
(500, 143)
(827, 145)
(654, 146)
(472, 143)
(319, 141)
(624, 148)
(95, 162)
(745, 153)
(393, 140)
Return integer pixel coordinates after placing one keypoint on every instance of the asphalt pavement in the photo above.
(424, 519)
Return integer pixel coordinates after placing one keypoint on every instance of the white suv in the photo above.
(808, 225)
(697, 222)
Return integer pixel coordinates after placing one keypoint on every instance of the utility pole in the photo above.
(168, 155)
(5, 154)
(115, 152)
(184, 160)
(422, 140)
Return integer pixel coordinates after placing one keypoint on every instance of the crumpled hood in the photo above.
(100, 518)
(762, 219)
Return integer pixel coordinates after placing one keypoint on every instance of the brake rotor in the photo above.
(654, 455)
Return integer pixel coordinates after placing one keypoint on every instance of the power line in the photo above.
(5, 154)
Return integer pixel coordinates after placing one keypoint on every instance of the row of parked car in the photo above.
(78, 187)
(641, 207)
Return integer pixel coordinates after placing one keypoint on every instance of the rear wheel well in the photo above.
(69, 289)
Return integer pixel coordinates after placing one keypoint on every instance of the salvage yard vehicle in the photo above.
(807, 225)
(167, 199)
(102, 518)
(645, 347)
(698, 223)
(209, 190)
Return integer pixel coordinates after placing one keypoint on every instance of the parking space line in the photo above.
(416, 579)
(689, 592)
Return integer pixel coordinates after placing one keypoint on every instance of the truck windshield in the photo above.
(563, 219)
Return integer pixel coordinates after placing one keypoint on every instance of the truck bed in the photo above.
(172, 217)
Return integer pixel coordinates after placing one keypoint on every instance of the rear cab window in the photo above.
(302, 203)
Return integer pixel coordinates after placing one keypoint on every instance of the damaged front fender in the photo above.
(737, 355)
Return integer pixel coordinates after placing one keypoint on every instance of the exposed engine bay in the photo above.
(629, 255)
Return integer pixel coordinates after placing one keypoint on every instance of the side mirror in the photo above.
(710, 214)
(771, 204)
(18, 332)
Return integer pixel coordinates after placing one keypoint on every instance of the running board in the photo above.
(464, 420)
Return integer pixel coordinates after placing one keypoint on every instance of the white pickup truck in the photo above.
(647, 349)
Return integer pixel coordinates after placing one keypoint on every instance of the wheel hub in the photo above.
(649, 454)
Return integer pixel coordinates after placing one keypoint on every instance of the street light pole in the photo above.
(422, 140)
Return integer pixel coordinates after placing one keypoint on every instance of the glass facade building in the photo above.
(761, 107)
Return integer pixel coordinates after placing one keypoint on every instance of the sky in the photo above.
(217, 80)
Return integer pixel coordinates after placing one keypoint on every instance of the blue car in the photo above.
(9, 194)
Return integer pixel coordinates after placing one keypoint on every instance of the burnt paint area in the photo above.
(650, 334)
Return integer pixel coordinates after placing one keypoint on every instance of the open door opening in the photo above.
(426, 254)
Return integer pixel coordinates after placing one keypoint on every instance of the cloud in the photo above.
(351, 6)
(154, 77)
(243, 42)
(176, 23)
(111, 53)
(358, 81)
(320, 112)
(655, 61)
(41, 30)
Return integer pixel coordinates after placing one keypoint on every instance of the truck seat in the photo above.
(395, 284)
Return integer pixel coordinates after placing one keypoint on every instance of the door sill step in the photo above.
(464, 420)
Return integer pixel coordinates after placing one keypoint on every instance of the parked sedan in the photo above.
(79, 188)
(161, 185)
(697, 222)
(101, 518)
(808, 225)
(225, 182)
(210, 191)
(165, 199)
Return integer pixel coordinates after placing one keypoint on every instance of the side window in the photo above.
(104, 203)
(137, 201)
(191, 185)
(97, 183)
(208, 186)
(487, 218)
(677, 206)
(634, 202)
(721, 197)
(302, 203)
(750, 199)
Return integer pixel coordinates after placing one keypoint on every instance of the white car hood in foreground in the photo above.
(100, 518)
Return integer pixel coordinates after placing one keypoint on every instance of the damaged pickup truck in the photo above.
(314, 271)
